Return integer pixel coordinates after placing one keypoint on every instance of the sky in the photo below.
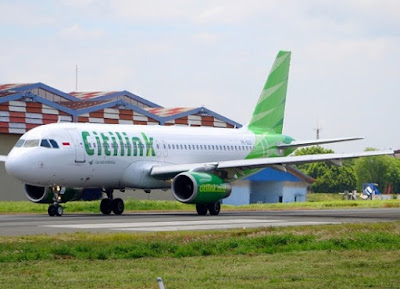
(344, 75)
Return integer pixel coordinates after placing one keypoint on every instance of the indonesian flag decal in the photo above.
(66, 144)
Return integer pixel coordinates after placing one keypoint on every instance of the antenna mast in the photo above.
(76, 77)
(318, 130)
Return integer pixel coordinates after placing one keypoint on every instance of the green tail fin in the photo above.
(270, 109)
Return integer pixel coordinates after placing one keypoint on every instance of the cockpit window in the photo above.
(45, 143)
(54, 143)
(31, 143)
(19, 143)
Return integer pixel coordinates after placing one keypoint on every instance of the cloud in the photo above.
(25, 15)
(206, 38)
(218, 53)
(76, 32)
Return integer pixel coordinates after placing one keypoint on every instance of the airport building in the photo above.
(28, 105)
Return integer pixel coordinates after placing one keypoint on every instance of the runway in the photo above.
(11, 225)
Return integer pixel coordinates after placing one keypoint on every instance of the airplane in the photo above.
(57, 161)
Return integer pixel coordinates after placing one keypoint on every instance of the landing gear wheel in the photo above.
(106, 206)
(118, 206)
(201, 209)
(51, 210)
(214, 208)
(59, 210)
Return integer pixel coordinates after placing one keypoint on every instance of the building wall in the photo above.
(10, 188)
(240, 194)
(265, 192)
(294, 192)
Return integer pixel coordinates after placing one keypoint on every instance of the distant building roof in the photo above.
(271, 175)
(27, 105)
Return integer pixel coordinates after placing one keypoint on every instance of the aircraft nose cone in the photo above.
(14, 167)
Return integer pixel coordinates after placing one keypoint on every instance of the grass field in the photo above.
(326, 256)
(315, 201)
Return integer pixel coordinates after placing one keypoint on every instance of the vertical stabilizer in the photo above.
(270, 109)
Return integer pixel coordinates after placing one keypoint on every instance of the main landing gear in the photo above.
(213, 208)
(55, 209)
(111, 205)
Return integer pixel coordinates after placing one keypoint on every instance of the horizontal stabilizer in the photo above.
(3, 158)
(296, 144)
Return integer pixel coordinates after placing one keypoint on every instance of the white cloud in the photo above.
(27, 15)
(206, 38)
(218, 53)
(76, 32)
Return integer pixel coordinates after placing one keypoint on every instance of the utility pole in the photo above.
(317, 130)
(76, 77)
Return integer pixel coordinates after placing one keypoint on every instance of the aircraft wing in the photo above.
(169, 171)
(3, 158)
(296, 144)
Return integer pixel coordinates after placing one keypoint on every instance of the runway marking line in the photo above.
(158, 224)
(187, 225)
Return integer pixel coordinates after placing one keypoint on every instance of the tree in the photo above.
(329, 178)
(382, 170)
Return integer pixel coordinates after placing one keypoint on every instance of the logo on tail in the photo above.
(269, 112)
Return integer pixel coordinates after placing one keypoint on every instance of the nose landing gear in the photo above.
(55, 209)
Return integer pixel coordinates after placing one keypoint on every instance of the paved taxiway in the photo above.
(158, 222)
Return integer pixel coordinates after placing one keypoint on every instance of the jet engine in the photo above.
(45, 195)
(199, 188)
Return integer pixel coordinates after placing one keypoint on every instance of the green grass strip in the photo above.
(87, 246)
(133, 205)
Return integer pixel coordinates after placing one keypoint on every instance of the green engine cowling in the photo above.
(44, 195)
(199, 188)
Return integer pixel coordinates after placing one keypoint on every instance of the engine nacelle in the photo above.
(45, 195)
(199, 188)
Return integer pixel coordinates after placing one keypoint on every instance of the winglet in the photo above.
(269, 112)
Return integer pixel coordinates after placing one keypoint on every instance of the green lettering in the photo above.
(136, 142)
(149, 146)
(114, 144)
(128, 144)
(121, 143)
(89, 150)
(105, 144)
(98, 143)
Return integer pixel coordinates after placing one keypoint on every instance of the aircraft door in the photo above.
(78, 145)
(159, 149)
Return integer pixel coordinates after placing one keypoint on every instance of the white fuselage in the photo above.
(118, 156)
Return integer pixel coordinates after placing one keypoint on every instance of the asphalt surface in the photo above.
(157, 222)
